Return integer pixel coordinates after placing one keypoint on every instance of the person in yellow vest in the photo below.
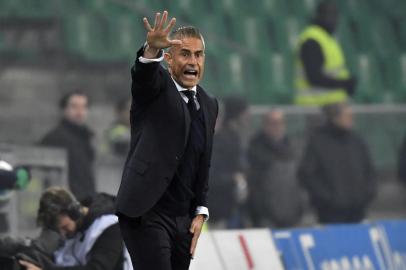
(322, 77)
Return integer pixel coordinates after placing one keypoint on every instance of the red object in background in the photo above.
(246, 251)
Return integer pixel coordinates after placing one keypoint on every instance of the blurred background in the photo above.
(49, 48)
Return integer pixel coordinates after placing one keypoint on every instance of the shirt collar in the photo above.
(180, 88)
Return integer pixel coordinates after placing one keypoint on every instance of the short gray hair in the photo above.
(187, 32)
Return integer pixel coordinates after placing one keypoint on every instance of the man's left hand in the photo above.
(196, 229)
(29, 266)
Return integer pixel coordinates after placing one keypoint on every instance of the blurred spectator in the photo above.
(93, 239)
(119, 134)
(402, 162)
(228, 187)
(73, 135)
(322, 76)
(337, 170)
(271, 177)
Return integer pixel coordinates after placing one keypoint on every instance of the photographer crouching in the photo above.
(91, 238)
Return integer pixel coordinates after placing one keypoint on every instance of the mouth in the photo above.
(190, 73)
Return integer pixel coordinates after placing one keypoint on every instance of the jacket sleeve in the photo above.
(146, 80)
(309, 173)
(313, 59)
(104, 255)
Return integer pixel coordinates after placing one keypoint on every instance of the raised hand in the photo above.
(158, 36)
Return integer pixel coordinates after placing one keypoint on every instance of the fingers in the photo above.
(163, 20)
(170, 25)
(27, 265)
(23, 263)
(156, 21)
(195, 230)
(147, 25)
(193, 245)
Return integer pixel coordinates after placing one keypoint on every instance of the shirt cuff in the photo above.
(202, 210)
(151, 60)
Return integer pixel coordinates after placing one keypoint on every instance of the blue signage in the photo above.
(339, 247)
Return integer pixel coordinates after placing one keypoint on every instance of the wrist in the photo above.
(202, 217)
(150, 52)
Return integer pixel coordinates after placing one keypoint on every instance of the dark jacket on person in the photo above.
(160, 125)
(402, 162)
(76, 139)
(227, 161)
(337, 170)
(274, 190)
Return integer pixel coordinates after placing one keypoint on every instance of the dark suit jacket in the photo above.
(160, 123)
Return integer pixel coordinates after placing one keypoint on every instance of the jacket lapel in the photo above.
(203, 106)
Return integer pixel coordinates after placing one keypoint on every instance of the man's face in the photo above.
(66, 226)
(186, 62)
(345, 119)
(274, 125)
(76, 110)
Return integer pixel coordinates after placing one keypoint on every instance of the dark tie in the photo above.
(191, 104)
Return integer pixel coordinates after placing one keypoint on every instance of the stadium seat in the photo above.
(394, 68)
(287, 33)
(251, 33)
(370, 88)
(213, 27)
(383, 37)
(85, 35)
(25, 8)
(303, 9)
(402, 33)
(345, 38)
(258, 8)
(125, 35)
(274, 73)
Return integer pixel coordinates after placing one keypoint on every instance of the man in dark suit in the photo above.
(162, 200)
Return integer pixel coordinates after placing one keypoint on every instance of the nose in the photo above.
(192, 60)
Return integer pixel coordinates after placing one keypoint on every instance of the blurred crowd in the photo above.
(267, 180)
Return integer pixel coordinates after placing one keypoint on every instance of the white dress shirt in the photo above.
(200, 210)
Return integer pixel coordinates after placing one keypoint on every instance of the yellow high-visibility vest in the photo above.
(334, 66)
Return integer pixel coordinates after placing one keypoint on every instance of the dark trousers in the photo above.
(157, 241)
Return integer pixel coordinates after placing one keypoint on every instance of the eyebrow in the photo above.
(189, 51)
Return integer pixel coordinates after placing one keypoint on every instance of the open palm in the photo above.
(158, 36)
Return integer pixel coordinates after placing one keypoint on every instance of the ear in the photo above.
(168, 58)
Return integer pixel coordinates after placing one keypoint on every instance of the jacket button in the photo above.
(177, 158)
